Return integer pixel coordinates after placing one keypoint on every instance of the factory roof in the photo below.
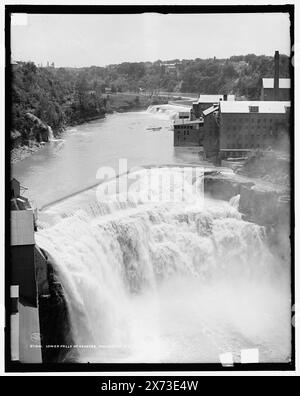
(284, 83)
(254, 107)
(214, 98)
(210, 110)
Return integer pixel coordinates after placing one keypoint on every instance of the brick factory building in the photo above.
(188, 133)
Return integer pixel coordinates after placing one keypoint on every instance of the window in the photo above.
(253, 109)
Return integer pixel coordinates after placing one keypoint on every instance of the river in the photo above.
(70, 164)
(151, 280)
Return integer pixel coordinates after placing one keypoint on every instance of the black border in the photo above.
(119, 9)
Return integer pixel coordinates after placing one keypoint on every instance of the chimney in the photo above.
(276, 76)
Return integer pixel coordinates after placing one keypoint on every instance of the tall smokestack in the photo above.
(276, 76)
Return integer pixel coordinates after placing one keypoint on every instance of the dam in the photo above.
(167, 273)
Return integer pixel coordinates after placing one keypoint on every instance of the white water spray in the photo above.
(50, 133)
(235, 201)
(167, 110)
(167, 282)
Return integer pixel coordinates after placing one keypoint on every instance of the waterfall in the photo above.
(167, 281)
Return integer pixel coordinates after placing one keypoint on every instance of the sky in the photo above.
(100, 40)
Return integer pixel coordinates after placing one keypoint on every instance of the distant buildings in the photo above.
(226, 128)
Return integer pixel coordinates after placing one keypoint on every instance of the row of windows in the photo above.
(248, 119)
(257, 132)
(247, 141)
(243, 146)
(183, 126)
(184, 133)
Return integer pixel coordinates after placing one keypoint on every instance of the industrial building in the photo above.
(188, 132)
(206, 101)
(250, 125)
(233, 128)
(276, 88)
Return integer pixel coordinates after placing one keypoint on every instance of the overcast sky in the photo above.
(85, 40)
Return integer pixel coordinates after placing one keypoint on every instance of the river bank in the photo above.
(222, 252)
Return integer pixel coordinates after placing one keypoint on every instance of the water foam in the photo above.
(157, 282)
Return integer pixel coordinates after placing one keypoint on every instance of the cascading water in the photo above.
(234, 201)
(155, 281)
